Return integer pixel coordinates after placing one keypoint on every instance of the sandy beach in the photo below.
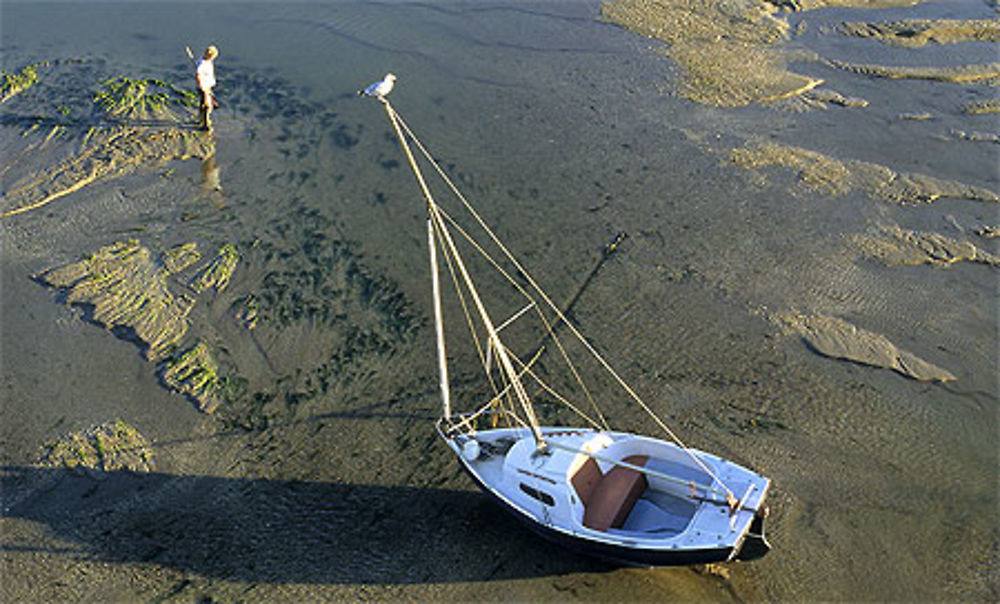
(219, 380)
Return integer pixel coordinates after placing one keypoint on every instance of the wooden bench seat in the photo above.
(608, 499)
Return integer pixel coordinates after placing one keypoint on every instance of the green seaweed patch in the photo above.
(247, 311)
(127, 292)
(310, 278)
(126, 289)
(108, 447)
(195, 374)
(324, 280)
(16, 83)
(141, 98)
(216, 274)
(179, 257)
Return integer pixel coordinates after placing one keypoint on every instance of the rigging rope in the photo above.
(398, 123)
(435, 216)
(549, 327)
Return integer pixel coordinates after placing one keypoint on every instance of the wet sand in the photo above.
(752, 279)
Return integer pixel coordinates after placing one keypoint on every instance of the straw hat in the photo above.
(211, 52)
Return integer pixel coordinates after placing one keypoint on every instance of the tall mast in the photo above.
(438, 322)
(432, 248)
(435, 221)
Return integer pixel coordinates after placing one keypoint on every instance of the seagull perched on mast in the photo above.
(381, 88)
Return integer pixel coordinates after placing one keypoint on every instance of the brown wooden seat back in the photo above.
(586, 479)
(612, 500)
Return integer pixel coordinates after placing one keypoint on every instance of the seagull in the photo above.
(381, 88)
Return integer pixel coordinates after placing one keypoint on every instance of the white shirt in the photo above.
(206, 75)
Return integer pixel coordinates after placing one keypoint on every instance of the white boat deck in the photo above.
(664, 515)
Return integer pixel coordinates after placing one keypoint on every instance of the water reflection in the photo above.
(211, 181)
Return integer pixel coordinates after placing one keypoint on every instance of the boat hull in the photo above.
(617, 554)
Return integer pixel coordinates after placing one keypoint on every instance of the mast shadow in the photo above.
(279, 531)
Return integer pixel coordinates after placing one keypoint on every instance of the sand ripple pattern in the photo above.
(914, 33)
(113, 155)
(726, 49)
(898, 247)
(839, 339)
(828, 175)
(986, 74)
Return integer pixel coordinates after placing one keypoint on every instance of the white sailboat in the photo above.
(620, 496)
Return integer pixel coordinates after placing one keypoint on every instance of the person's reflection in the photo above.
(211, 183)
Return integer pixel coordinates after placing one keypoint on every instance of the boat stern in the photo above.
(755, 544)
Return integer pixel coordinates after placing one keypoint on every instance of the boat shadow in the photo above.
(278, 531)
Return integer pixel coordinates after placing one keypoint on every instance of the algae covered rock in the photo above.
(988, 106)
(196, 374)
(975, 137)
(108, 447)
(218, 271)
(247, 311)
(138, 122)
(142, 99)
(126, 288)
(16, 83)
(180, 257)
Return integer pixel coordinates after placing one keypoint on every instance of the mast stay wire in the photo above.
(549, 327)
(435, 217)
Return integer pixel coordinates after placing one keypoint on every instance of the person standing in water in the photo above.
(205, 72)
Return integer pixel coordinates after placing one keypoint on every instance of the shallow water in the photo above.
(563, 130)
